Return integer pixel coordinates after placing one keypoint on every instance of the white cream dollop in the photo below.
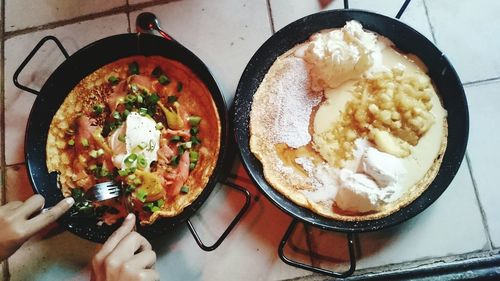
(141, 138)
(340, 55)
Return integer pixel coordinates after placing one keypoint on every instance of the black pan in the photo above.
(407, 40)
(63, 80)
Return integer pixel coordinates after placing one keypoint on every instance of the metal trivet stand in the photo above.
(478, 267)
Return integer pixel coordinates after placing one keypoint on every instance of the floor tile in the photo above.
(52, 254)
(21, 14)
(484, 101)
(439, 231)
(224, 40)
(284, 13)
(466, 29)
(17, 102)
(248, 253)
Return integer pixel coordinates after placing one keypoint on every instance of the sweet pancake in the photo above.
(182, 142)
(281, 132)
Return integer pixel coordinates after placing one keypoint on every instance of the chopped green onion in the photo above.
(129, 189)
(142, 145)
(131, 98)
(194, 120)
(130, 159)
(100, 152)
(195, 140)
(133, 68)
(93, 167)
(176, 139)
(185, 189)
(141, 195)
(113, 80)
(154, 98)
(104, 172)
(121, 138)
(187, 144)
(142, 162)
(192, 166)
(137, 181)
(98, 109)
(193, 156)
(116, 115)
(131, 177)
(134, 88)
(155, 209)
(143, 111)
(85, 142)
(125, 113)
(140, 99)
(180, 149)
(157, 71)
(71, 142)
(160, 203)
(163, 79)
(179, 86)
(171, 99)
(194, 131)
(123, 172)
(159, 126)
(152, 145)
(175, 160)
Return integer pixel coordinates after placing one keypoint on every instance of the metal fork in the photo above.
(103, 191)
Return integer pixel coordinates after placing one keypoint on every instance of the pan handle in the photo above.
(30, 56)
(350, 245)
(231, 225)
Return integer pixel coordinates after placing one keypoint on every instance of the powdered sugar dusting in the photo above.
(288, 109)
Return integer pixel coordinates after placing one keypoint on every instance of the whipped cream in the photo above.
(340, 55)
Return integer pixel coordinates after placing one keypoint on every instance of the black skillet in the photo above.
(63, 80)
(407, 40)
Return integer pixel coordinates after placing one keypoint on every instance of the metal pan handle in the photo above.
(350, 245)
(231, 225)
(30, 56)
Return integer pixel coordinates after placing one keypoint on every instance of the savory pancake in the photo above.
(348, 127)
(148, 123)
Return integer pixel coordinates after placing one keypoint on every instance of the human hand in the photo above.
(18, 225)
(125, 256)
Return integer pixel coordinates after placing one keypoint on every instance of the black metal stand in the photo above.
(231, 225)
(350, 245)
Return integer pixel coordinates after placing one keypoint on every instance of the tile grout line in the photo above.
(478, 82)
(128, 15)
(429, 21)
(481, 209)
(270, 15)
(5, 264)
(114, 11)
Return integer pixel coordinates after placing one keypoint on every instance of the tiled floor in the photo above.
(225, 34)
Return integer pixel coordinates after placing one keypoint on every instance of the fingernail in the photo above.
(70, 201)
(129, 216)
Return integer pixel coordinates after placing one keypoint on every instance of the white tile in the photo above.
(224, 34)
(467, 32)
(248, 253)
(52, 254)
(285, 11)
(484, 101)
(21, 14)
(17, 102)
(450, 226)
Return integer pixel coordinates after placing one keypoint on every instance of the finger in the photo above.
(131, 244)
(117, 236)
(11, 205)
(34, 204)
(149, 275)
(143, 260)
(42, 220)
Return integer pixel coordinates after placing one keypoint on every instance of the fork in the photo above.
(103, 191)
